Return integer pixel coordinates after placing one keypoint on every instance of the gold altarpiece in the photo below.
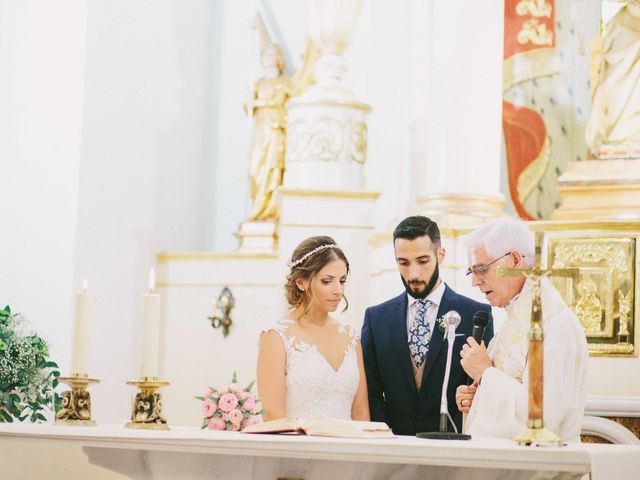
(604, 294)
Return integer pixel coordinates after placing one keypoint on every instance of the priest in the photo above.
(497, 401)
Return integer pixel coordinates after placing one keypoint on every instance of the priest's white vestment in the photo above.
(500, 406)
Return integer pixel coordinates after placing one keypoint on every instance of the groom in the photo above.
(404, 349)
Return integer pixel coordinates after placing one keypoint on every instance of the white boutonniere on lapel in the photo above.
(442, 328)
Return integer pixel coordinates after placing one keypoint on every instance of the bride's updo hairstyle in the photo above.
(306, 261)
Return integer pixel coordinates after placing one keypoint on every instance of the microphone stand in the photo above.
(443, 434)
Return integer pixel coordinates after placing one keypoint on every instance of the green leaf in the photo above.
(38, 417)
(234, 379)
(199, 398)
(250, 386)
(5, 416)
(204, 424)
(5, 314)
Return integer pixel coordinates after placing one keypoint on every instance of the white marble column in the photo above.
(327, 129)
(463, 117)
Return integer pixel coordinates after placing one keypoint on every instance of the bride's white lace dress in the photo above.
(313, 387)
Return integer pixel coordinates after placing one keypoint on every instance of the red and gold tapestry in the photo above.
(529, 50)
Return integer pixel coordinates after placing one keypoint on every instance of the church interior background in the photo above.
(131, 140)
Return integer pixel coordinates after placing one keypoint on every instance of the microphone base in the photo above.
(444, 435)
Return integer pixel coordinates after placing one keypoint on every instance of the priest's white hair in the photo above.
(501, 236)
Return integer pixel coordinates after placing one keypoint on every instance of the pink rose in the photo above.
(236, 388)
(249, 404)
(244, 395)
(234, 427)
(227, 402)
(252, 420)
(235, 416)
(258, 408)
(209, 407)
(217, 424)
(222, 389)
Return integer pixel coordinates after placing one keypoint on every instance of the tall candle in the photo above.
(150, 331)
(81, 332)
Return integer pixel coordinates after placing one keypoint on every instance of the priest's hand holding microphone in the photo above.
(474, 360)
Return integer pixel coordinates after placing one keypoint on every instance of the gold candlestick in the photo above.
(147, 405)
(75, 409)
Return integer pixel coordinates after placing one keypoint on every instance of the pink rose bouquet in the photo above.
(230, 407)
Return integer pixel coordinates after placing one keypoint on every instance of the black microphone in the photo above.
(480, 322)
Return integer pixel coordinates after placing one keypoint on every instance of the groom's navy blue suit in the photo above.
(393, 395)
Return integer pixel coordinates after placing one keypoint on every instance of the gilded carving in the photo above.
(602, 295)
(74, 405)
(327, 139)
(624, 306)
(358, 141)
(588, 307)
(148, 408)
(615, 255)
(535, 32)
(535, 8)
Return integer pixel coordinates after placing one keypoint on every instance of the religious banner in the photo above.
(529, 49)
(546, 96)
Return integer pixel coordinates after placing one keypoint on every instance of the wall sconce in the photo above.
(224, 304)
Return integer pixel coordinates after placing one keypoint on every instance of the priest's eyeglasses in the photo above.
(481, 269)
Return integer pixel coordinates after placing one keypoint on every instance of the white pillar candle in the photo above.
(150, 331)
(81, 332)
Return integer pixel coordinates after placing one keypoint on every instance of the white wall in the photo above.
(146, 179)
(108, 129)
(42, 60)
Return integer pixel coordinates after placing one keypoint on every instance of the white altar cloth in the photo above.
(190, 453)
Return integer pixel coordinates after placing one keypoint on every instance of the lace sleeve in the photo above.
(351, 332)
(280, 328)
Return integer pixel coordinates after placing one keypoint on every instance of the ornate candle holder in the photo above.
(75, 409)
(147, 406)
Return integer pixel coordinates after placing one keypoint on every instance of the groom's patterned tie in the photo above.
(420, 333)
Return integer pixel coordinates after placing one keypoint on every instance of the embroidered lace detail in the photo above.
(313, 387)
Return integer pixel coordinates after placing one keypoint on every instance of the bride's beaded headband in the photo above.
(311, 253)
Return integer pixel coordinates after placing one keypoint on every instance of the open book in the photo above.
(323, 427)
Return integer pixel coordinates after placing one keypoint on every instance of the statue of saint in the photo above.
(614, 119)
(588, 307)
(266, 105)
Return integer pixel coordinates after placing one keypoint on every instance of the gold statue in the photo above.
(614, 118)
(588, 307)
(269, 95)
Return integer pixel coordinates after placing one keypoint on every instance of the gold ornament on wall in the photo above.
(588, 306)
(602, 294)
(224, 304)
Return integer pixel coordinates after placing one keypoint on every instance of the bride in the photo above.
(309, 365)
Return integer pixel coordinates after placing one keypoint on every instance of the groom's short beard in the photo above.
(429, 285)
